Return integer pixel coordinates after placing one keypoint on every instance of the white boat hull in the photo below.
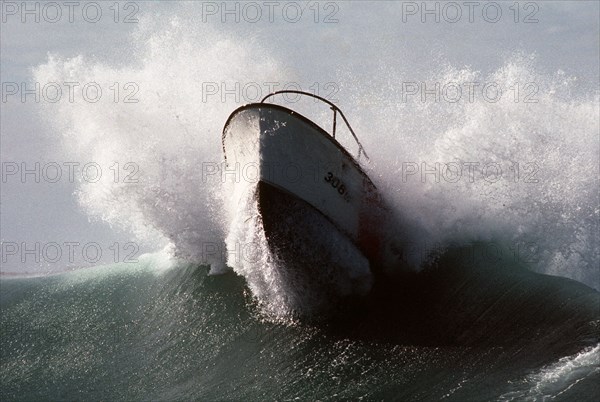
(307, 186)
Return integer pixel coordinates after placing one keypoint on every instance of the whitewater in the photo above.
(487, 150)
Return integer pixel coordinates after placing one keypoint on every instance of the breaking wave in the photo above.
(517, 171)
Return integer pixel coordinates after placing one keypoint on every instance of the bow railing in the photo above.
(334, 108)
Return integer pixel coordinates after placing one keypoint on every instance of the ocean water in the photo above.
(496, 195)
(145, 332)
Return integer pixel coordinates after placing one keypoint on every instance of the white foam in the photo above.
(555, 211)
(557, 378)
(172, 132)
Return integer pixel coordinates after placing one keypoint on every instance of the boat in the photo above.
(318, 208)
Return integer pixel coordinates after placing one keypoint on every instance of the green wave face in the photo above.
(135, 332)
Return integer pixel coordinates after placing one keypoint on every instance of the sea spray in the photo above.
(528, 173)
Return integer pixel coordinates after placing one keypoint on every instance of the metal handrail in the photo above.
(361, 149)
